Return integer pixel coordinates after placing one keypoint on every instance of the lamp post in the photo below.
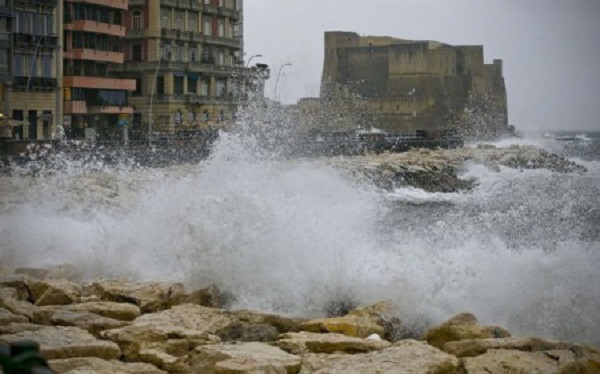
(277, 80)
(151, 119)
(31, 66)
(250, 59)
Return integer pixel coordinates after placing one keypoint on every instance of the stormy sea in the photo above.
(520, 250)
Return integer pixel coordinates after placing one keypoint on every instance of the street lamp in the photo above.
(412, 93)
(250, 59)
(167, 49)
(277, 80)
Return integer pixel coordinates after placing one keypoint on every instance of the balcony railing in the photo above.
(35, 84)
(24, 40)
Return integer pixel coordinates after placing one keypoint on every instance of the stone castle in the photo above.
(404, 86)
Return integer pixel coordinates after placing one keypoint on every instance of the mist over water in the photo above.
(521, 250)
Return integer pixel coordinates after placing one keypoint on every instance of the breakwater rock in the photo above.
(159, 327)
(439, 170)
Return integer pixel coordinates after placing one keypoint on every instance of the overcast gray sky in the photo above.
(550, 48)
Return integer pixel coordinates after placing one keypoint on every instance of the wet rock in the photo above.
(9, 299)
(359, 323)
(118, 311)
(209, 296)
(54, 292)
(303, 342)
(281, 323)
(165, 361)
(408, 356)
(476, 347)
(66, 342)
(245, 332)
(149, 296)
(7, 317)
(507, 361)
(20, 283)
(454, 330)
(244, 358)
(99, 366)
(195, 324)
(90, 322)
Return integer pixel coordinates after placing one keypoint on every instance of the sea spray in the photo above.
(519, 250)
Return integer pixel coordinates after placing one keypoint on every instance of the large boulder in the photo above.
(6, 317)
(244, 358)
(19, 282)
(194, 324)
(98, 366)
(461, 327)
(149, 296)
(66, 342)
(54, 292)
(238, 331)
(404, 357)
(108, 309)
(476, 347)
(303, 342)
(507, 361)
(9, 299)
(281, 323)
(375, 319)
(88, 321)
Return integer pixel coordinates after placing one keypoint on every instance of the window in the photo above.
(160, 85)
(193, 22)
(18, 70)
(193, 54)
(179, 20)
(136, 21)
(48, 25)
(207, 25)
(221, 27)
(138, 87)
(179, 53)
(221, 60)
(192, 84)
(178, 85)
(221, 3)
(46, 66)
(136, 52)
(165, 18)
(220, 88)
(204, 84)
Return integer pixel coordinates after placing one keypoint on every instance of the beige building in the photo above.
(404, 86)
(32, 98)
(186, 57)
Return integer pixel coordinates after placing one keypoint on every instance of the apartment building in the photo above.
(95, 99)
(186, 57)
(30, 67)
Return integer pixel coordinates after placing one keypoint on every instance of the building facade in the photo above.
(30, 67)
(405, 86)
(187, 60)
(95, 98)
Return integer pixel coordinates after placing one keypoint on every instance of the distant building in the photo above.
(406, 86)
(95, 99)
(30, 73)
(187, 59)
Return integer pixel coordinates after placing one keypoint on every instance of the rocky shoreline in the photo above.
(438, 170)
(117, 326)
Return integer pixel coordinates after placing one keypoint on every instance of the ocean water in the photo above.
(521, 250)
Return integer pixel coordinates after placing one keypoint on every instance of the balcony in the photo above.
(99, 83)
(28, 40)
(94, 55)
(227, 12)
(96, 27)
(110, 109)
(75, 107)
(221, 41)
(115, 4)
(35, 84)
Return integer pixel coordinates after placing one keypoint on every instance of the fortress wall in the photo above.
(408, 59)
(364, 69)
(469, 59)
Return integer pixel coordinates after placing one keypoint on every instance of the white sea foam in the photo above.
(292, 236)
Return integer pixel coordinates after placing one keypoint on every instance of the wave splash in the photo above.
(290, 236)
